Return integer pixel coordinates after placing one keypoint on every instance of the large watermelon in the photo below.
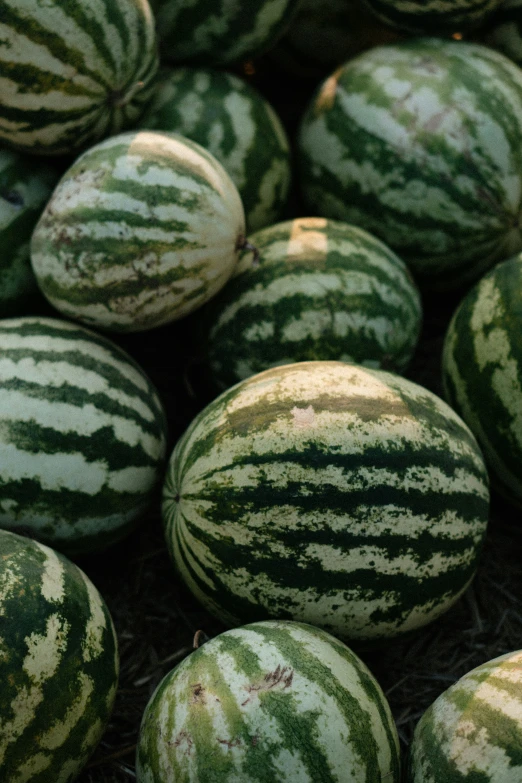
(314, 289)
(58, 664)
(237, 125)
(482, 371)
(329, 493)
(418, 142)
(73, 72)
(473, 731)
(275, 701)
(141, 230)
(82, 435)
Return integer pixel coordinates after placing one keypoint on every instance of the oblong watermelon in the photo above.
(327, 493)
(58, 664)
(277, 701)
(82, 436)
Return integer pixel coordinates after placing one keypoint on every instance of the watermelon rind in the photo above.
(433, 16)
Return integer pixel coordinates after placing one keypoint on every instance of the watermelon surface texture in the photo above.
(25, 187)
(237, 125)
(58, 664)
(433, 16)
(418, 142)
(141, 230)
(74, 72)
(473, 731)
(327, 493)
(272, 701)
(504, 30)
(316, 289)
(482, 371)
(83, 435)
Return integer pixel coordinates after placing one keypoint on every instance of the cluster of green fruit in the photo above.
(321, 492)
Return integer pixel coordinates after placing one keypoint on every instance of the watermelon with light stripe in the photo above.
(418, 142)
(82, 435)
(25, 187)
(482, 371)
(327, 493)
(277, 701)
(142, 229)
(58, 664)
(437, 16)
(317, 289)
(72, 73)
(220, 33)
(237, 125)
(473, 731)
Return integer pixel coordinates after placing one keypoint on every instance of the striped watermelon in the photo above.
(58, 664)
(273, 701)
(482, 371)
(25, 187)
(82, 437)
(473, 731)
(237, 125)
(327, 493)
(220, 33)
(426, 16)
(319, 289)
(141, 230)
(72, 73)
(419, 143)
(504, 30)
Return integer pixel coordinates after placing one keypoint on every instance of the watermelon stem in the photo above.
(243, 244)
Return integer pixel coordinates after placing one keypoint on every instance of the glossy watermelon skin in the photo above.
(418, 143)
(25, 187)
(58, 664)
(315, 289)
(433, 16)
(235, 123)
(327, 493)
(73, 73)
(141, 230)
(83, 435)
(473, 731)
(482, 371)
(276, 701)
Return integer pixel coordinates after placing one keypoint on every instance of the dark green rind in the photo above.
(433, 16)
(504, 30)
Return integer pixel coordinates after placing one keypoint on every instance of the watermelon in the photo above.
(328, 493)
(72, 73)
(473, 731)
(220, 33)
(418, 142)
(83, 435)
(142, 229)
(237, 125)
(482, 371)
(58, 664)
(25, 187)
(272, 701)
(317, 289)
(427, 16)
(504, 30)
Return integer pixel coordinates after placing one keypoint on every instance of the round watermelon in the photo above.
(73, 72)
(418, 142)
(82, 438)
(473, 731)
(142, 229)
(58, 664)
(237, 125)
(327, 493)
(433, 16)
(313, 289)
(278, 701)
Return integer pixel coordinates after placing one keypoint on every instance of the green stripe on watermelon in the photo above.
(329, 493)
(315, 289)
(83, 435)
(277, 701)
(237, 125)
(418, 143)
(58, 664)
(73, 73)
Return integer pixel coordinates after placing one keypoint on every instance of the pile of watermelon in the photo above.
(225, 233)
